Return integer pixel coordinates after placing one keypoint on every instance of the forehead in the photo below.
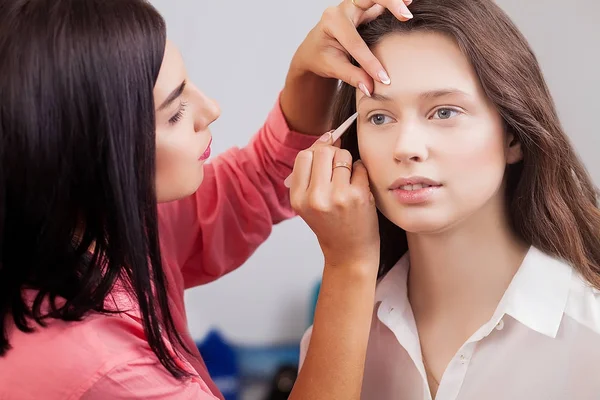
(172, 73)
(425, 61)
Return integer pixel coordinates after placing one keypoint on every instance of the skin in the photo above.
(182, 129)
(437, 123)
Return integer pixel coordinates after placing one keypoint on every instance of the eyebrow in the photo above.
(172, 96)
(429, 95)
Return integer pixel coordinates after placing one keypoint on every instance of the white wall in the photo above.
(238, 52)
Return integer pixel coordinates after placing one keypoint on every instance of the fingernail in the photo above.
(286, 182)
(408, 3)
(325, 137)
(364, 89)
(405, 13)
(384, 78)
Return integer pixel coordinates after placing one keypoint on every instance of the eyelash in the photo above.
(177, 117)
(451, 109)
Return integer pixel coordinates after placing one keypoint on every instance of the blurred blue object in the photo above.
(232, 366)
(263, 362)
(222, 364)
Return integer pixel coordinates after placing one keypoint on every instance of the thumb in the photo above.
(353, 75)
(371, 14)
(360, 176)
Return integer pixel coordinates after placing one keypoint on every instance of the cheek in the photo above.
(475, 164)
(178, 170)
(376, 154)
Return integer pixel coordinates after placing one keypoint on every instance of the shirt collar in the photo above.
(394, 285)
(536, 297)
(538, 293)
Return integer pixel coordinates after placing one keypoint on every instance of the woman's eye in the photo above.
(179, 115)
(176, 118)
(379, 119)
(445, 113)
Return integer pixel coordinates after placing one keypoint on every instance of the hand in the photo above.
(323, 58)
(334, 199)
(326, 50)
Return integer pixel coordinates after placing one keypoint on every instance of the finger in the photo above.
(352, 75)
(320, 178)
(342, 169)
(356, 8)
(324, 140)
(403, 6)
(299, 180)
(360, 177)
(360, 180)
(371, 14)
(397, 7)
(346, 34)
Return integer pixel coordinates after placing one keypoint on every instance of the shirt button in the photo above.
(500, 325)
(463, 359)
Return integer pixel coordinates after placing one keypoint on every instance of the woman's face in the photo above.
(183, 116)
(432, 142)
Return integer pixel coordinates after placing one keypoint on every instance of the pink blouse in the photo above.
(203, 237)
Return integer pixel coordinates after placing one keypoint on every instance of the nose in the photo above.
(213, 111)
(207, 111)
(411, 144)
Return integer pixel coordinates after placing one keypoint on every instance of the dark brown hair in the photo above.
(552, 201)
(77, 151)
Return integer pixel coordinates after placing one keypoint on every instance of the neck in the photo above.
(462, 273)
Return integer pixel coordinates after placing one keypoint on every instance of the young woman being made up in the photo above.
(489, 223)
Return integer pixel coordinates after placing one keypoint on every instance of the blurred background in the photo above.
(249, 323)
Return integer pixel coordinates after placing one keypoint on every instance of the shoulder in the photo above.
(583, 304)
(63, 359)
(561, 283)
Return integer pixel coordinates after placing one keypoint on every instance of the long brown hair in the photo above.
(552, 202)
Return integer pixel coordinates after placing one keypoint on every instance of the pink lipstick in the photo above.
(206, 153)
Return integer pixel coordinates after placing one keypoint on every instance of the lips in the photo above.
(414, 183)
(415, 190)
(206, 153)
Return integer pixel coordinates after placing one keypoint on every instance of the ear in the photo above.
(514, 152)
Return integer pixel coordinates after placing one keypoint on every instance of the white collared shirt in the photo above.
(543, 342)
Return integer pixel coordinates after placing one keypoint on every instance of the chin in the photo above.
(423, 227)
(184, 189)
(199, 180)
(192, 188)
(421, 221)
